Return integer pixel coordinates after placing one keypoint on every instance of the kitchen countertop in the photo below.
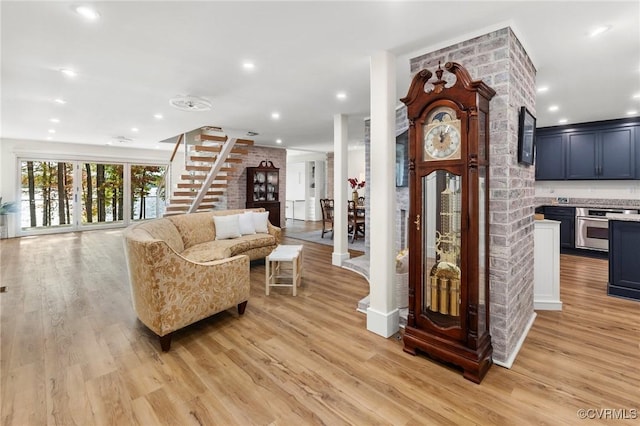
(624, 217)
(589, 203)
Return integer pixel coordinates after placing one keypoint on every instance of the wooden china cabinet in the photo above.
(448, 315)
(263, 185)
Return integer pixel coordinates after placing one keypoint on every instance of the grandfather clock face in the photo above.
(442, 139)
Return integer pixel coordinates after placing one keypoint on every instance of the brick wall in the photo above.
(329, 176)
(499, 60)
(236, 195)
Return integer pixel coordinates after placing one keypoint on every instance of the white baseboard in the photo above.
(510, 360)
(547, 305)
(383, 324)
(338, 258)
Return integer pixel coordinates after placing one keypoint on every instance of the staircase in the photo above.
(209, 161)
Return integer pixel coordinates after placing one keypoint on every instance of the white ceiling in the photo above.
(138, 55)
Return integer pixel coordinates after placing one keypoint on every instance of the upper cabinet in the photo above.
(601, 154)
(637, 132)
(602, 150)
(550, 156)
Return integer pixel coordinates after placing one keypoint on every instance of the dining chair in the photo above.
(326, 206)
(355, 220)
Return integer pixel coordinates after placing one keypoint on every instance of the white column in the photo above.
(382, 314)
(340, 159)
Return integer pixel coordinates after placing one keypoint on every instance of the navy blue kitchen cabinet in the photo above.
(550, 156)
(566, 216)
(582, 149)
(589, 151)
(601, 154)
(624, 274)
(636, 129)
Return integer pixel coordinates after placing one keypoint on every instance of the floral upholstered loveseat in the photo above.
(187, 267)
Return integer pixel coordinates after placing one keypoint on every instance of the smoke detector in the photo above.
(190, 103)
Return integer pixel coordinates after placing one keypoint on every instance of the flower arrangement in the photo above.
(355, 183)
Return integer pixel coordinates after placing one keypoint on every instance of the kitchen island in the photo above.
(624, 256)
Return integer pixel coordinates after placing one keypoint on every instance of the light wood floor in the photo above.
(73, 352)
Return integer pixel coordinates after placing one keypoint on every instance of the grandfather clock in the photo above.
(449, 204)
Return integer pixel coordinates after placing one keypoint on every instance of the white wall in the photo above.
(596, 189)
(356, 167)
(12, 149)
(296, 179)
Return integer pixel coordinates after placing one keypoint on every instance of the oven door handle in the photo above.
(597, 219)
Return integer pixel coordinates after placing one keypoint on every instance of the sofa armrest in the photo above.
(170, 291)
(276, 232)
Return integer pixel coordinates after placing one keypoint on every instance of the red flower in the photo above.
(355, 184)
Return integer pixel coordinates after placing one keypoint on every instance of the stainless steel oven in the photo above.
(592, 227)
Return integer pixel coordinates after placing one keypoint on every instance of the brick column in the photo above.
(499, 60)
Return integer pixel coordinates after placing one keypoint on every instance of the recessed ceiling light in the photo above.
(275, 115)
(158, 116)
(562, 120)
(341, 95)
(68, 72)
(87, 12)
(135, 129)
(554, 108)
(599, 30)
(542, 89)
(632, 112)
(60, 101)
(52, 131)
(248, 65)
(54, 120)
(636, 96)
(278, 140)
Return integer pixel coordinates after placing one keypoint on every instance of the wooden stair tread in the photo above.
(194, 168)
(203, 159)
(213, 148)
(190, 200)
(201, 137)
(198, 185)
(204, 177)
(194, 193)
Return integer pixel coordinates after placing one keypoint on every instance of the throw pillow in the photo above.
(227, 227)
(246, 223)
(260, 221)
